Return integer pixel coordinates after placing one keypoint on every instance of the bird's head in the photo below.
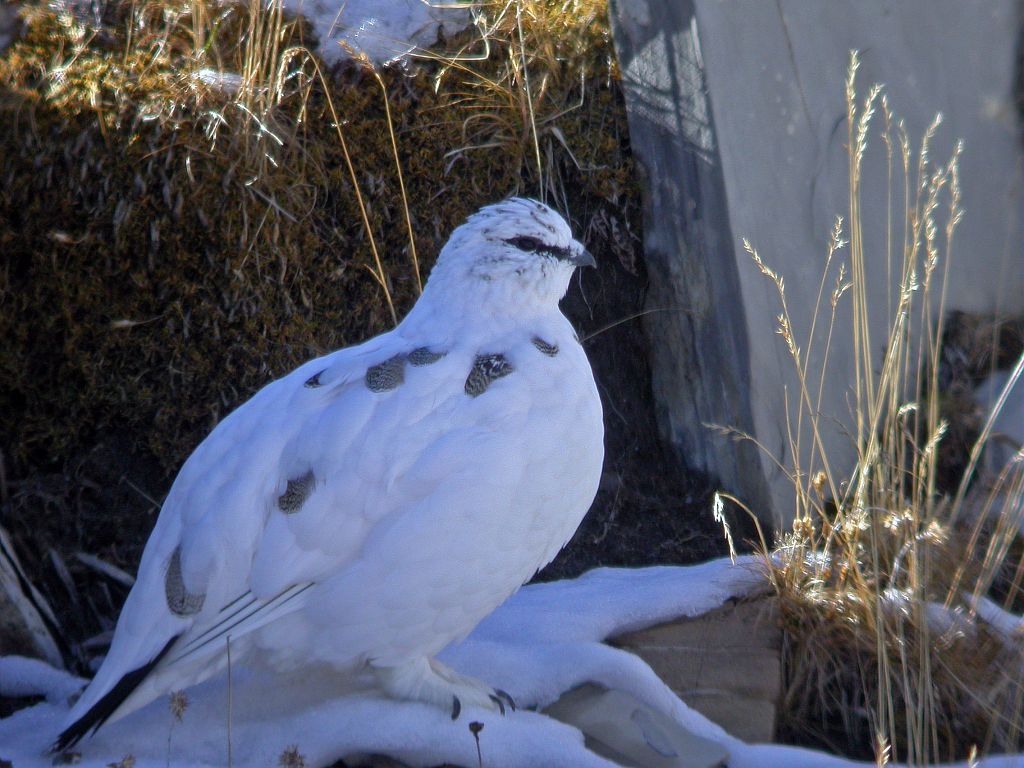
(511, 256)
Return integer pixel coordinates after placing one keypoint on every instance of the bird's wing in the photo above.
(193, 584)
(452, 501)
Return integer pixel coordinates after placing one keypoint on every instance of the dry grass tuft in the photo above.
(894, 649)
(551, 52)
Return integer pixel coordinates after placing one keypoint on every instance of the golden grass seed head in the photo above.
(178, 704)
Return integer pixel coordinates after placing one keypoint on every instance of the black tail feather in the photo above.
(108, 704)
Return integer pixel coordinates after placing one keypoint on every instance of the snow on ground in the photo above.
(21, 677)
(384, 30)
(545, 640)
(1007, 624)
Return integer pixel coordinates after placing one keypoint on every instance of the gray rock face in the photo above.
(737, 115)
(699, 344)
(10, 24)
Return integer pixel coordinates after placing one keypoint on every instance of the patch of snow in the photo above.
(383, 30)
(948, 622)
(21, 676)
(228, 83)
(545, 640)
(610, 601)
(1010, 625)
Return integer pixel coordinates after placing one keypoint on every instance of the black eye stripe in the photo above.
(526, 243)
(534, 245)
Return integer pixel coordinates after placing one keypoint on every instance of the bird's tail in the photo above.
(109, 703)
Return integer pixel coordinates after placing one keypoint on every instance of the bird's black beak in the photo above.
(583, 258)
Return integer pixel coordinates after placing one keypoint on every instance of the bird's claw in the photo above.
(508, 699)
(499, 703)
(499, 697)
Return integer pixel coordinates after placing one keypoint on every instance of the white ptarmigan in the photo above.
(375, 504)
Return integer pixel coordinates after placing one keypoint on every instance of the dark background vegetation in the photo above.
(153, 279)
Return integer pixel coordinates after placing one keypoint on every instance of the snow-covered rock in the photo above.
(22, 677)
(545, 641)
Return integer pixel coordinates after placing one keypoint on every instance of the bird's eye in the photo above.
(526, 243)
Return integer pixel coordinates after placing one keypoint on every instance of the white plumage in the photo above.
(375, 504)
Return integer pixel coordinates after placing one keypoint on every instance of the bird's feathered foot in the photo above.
(501, 698)
(432, 682)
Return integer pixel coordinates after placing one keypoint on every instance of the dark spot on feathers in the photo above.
(535, 214)
(424, 356)
(486, 369)
(533, 245)
(314, 380)
(386, 376)
(179, 599)
(296, 493)
(548, 349)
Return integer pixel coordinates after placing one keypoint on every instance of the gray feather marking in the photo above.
(386, 376)
(296, 493)
(486, 369)
(424, 356)
(180, 600)
(314, 380)
(548, 349)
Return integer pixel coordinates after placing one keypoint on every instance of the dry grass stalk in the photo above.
(512, 109)
(880, 575)
(240, 73)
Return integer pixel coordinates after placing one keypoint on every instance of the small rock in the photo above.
(725, 664)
